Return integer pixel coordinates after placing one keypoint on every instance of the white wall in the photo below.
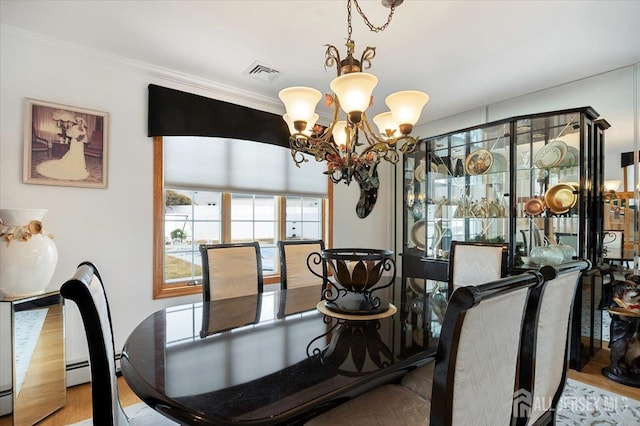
(113, 227)
(374, 231)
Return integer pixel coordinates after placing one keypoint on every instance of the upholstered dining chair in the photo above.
(86, 290)
(231, 270)
(473, 374)
(294, 271)
(542, 370)
(473, 263)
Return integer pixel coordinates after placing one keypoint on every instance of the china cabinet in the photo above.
(532, 181)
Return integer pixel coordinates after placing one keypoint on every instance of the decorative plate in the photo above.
(499, 163)
(573, 156)
(534, 207)
(420, 172)
(418, 234)
(478, 162)
(442, 169)
(547, 156)
(560, 198)
(562, 146)
(434, 167)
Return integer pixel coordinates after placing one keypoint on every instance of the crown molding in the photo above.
(203, 86)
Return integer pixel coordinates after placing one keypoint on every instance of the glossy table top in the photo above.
(266, 359)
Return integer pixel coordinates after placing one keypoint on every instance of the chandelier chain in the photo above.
(372, 27)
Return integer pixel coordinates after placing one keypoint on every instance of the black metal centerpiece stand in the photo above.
(357, 274)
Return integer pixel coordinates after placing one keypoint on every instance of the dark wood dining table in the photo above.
(266, 359)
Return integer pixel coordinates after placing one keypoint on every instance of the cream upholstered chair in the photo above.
(474, 372)
(231, 270)
(294, 269)
(543, 356)
(473, 263)
(296, 277)
(86, 289)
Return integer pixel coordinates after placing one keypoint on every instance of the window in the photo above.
(187, 217)
(303, 218)
(191, 218)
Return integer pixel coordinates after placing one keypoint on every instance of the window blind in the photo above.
(236, 165)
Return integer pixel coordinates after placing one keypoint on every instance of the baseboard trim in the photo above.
(79, 372)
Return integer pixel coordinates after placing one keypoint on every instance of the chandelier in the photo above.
(349, 144)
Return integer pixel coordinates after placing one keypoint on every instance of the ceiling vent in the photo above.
(262, 72)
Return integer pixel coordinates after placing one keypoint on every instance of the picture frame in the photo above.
(65, 145)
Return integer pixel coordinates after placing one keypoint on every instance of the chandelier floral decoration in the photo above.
(350, 145)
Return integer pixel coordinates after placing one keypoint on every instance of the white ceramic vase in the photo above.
(27, 264)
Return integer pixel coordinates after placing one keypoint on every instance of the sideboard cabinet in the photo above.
(32, 360)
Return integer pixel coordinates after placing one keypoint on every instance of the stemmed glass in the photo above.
(526, 158)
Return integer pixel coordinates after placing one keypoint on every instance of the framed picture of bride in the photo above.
(65, 145)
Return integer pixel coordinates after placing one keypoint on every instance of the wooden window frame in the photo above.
(163, 290)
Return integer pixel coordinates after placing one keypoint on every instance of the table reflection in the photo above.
(355, 347)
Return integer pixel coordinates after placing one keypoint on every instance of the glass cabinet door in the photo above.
(547, 185)
(414, 197)
(467, 188)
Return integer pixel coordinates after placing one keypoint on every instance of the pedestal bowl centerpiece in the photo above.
(357, 274)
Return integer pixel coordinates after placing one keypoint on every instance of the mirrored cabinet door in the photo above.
(32, 360)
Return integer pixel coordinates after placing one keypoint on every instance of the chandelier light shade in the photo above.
(300, 103)
(350, 145)
(354, 91)
(340, 133)
(386, 124)
(308, 130)
(612, 185)
(406, 108)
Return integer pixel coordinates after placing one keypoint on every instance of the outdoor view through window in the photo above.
(208, 217)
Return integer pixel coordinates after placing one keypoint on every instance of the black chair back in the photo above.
(477, 354)
(542, 367)
(86, 289)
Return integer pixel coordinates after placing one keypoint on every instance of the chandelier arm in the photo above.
(366, 20)
(331, 58)
(369, 132)
(298, 157)
(337, 175)
(409, 144)
(374, 153)
(368, 54)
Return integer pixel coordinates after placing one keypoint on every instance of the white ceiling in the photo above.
(464, 54)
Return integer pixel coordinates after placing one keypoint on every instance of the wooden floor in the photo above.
(78, 405)
(591, 374)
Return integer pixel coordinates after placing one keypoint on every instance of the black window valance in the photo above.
(176, 113)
